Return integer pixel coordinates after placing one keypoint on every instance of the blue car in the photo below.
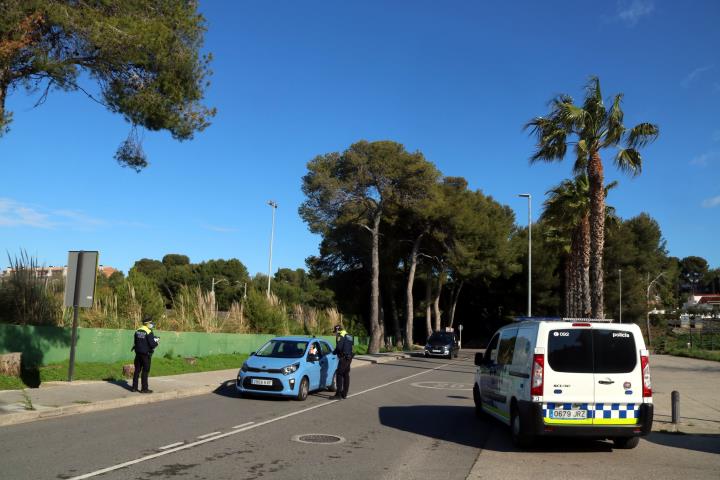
(289, 367)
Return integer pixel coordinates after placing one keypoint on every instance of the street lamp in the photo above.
(529, 197)
(274, 206)
(647, 299)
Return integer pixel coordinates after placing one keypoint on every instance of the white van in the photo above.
(567, 377)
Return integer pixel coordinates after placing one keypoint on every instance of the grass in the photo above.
(713, 355)
(161, 366)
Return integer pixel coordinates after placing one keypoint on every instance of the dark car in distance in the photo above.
(442, 344)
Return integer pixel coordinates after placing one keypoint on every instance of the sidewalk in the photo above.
(54, 399)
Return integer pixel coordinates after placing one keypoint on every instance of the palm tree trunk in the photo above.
(567, 275)
(409, 304)
(375, 331)
(597, 233)
(585, 303)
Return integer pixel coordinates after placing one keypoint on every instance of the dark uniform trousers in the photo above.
(343, 376)
(142, 364)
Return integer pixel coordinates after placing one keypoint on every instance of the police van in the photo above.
(567, 377)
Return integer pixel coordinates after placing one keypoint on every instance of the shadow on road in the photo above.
(701, 443)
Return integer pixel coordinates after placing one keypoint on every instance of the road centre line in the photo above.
(241, 429)
(207, 435)
(243, 425)
(171, 445)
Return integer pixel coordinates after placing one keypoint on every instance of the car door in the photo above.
(314, 367)
(618, 377)
(328, 365)
(489, 375)
(504, 384)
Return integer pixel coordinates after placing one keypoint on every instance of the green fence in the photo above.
(45, 345)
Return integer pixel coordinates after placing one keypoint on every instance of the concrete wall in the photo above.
(45, 345)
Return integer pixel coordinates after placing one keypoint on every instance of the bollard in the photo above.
(675, 400)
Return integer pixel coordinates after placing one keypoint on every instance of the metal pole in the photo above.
(675, 407)
(273, 205)
(620, 273)
(76, 307)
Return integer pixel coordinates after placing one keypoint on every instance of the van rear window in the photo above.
(591, 351)
(614, 351)
(570, 350)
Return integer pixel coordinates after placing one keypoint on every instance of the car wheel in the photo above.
(479, 413)
(303, 389)
(626, 442)
(333, 385)
(519, 438)
(427, 354)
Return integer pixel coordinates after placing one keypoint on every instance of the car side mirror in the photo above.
(252, 353)
(479, 359)
(312, 358)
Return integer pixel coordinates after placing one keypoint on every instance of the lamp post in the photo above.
(647, 299)
(620, 302)
(274, 206)
(529, 197)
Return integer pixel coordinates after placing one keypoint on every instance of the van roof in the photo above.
(562, 319)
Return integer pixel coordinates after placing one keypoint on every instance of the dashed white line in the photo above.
(208, 435)
(243, 425)
(241, 429)
(171, 445)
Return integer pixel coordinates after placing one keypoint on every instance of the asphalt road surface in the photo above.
(407, 419)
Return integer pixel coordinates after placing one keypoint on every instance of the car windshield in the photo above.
(282, 349)
(441, 337)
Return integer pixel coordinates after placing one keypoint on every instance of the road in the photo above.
(406, 419)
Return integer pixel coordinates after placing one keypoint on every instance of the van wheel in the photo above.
(479, 413)
(333, 385)
(626, 442)
(303, 389)
(519, 438)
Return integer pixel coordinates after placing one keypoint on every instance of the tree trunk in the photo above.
(597, 233)
(586, 303)
(409, 304)
(436, 302)
(428, 306)
(568, 271)
(3, 96)
(376, 334)
(390, 293)
(456, 296)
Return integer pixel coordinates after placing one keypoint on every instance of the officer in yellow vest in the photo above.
(145, 343)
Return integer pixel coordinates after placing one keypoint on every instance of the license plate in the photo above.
(260, 381)
(437, 351)
(568, 414)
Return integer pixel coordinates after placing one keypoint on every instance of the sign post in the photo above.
(460, 327)
(79, 291)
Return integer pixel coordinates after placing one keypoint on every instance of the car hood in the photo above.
(267, 363)
(439, 343)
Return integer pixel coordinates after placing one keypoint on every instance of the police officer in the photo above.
(344, 351)
(145, 343)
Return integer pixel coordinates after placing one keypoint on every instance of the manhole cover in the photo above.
(318, 438)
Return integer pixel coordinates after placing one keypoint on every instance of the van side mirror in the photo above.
(479, 358)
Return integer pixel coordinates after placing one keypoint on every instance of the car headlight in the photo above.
(446, 347)
(290, 369)
(244, 367)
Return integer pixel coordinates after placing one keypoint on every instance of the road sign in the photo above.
(81, 278)
(79, 291)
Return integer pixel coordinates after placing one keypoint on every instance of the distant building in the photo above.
(706, 300)
(57, 273)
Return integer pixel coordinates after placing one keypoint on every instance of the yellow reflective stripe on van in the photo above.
(557, 421)
(616, 421)
(494, 410)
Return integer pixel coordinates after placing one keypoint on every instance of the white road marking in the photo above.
(171, 445)
(243, 429)
(243, 425)
(207, 435)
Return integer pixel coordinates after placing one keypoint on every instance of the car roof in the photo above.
(299, 338)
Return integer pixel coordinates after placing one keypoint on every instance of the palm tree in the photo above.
(567, 215)
(593, 127)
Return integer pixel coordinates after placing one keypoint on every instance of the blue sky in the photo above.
(455, 79)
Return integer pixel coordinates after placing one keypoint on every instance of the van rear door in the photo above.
(569, 387)
(618, 378)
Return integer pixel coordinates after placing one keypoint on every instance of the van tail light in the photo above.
(646, 381)
(538, 374)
